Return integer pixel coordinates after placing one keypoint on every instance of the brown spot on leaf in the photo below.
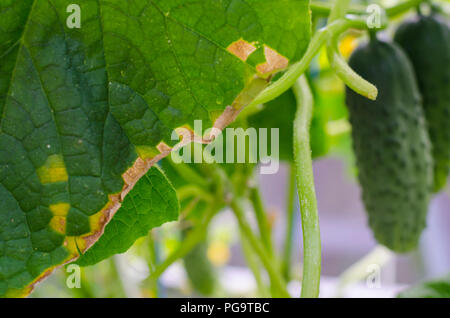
(231, 112)
(241, 49)
(163, 147)
(274, 61)
(106, 215)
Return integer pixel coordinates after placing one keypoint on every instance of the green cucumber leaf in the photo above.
(152, 202)
(80, 107)
(439, 288)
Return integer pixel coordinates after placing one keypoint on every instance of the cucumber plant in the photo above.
(92, 94)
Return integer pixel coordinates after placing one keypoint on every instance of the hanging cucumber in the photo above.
(392, 146)
(426, 41)
(199, 270)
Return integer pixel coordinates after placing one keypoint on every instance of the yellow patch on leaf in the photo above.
(58, 223)
(18, 293)
(53, 170)
(60, 209)
(146, 152)
(73, 245)
(96, 222)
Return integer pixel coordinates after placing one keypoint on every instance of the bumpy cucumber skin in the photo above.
(426, 41)
(392, 146)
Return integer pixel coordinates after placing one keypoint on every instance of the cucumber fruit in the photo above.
(392, 146)
(426, 41)
(200, 271)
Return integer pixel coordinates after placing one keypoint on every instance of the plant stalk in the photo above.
(288, 240)
(339, 10)
(347, 74)
(402, 7)
(253, 264)
(293, 72)
(275, 277)
(192, 239)
(324, 8)
(306, 191)
(261, 218)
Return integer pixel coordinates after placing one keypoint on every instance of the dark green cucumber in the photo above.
(392, 146)
(426, 41)
(200, 271)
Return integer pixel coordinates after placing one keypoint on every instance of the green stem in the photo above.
(324, 8)
(306, 191)
(152, 260)
(193, 190)
(275, 277)
(379, 256)
(118, 278)
(192, 239)
(337, 62)
(290, 76)
(402, 7)
(261, 218)
(85, 290)
(286, 264)
(184, 214)
(347, 74)
(339, 10)
(332, 30)
(253, 264)
(186, 172)
(335, 128)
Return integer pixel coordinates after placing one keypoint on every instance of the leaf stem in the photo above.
(275, 277)
(306, 191)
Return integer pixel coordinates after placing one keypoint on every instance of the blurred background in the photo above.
(346, 237)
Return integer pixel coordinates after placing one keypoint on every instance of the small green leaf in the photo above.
(152, 202)
(439, 288)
